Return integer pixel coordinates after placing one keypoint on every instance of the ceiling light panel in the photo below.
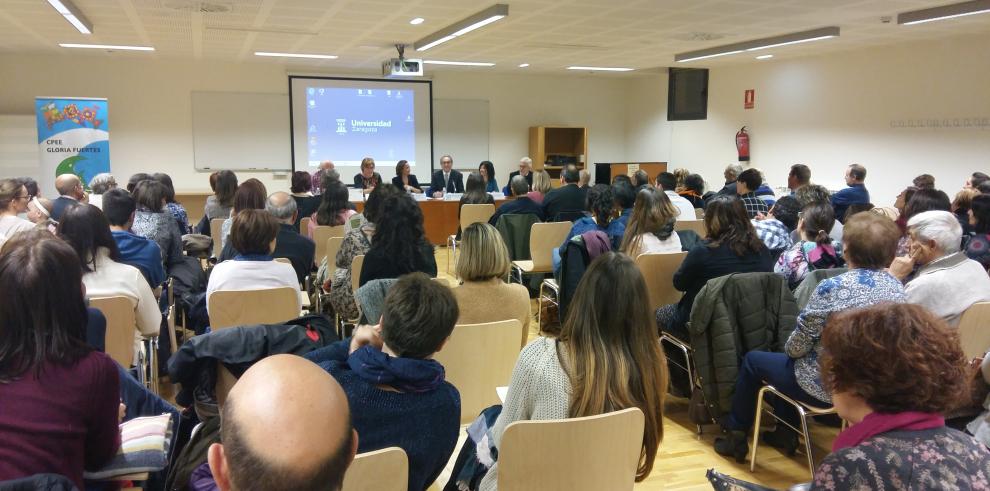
(72, 15)
(944, 12)
(485, 17)
(758, 44)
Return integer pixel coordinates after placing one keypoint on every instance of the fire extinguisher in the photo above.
(742, 144)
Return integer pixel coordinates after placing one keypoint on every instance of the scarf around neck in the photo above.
(404, 374)
(877, 423)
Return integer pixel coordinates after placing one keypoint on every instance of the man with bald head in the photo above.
(286, 425)
(71, 192)
(289, 244)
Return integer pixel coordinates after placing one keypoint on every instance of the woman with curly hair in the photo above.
(399, 245)
(894, 371)
(334, 210)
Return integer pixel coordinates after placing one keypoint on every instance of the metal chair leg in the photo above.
(153, 364)
(807, 440)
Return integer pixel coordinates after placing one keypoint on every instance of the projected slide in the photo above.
(345, 123)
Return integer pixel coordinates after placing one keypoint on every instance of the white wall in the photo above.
(834, 110)
(151, 118)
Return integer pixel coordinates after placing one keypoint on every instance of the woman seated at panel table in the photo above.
(404, 179)
(487, 170)
(368, 179)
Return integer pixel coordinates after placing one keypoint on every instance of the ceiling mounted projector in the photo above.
(402, 67)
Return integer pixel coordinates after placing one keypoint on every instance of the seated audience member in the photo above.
(520, 204)
(857, 208)
(731, 246)
(60, 398)
(584, 179)
(765, 192)
(250, 195)
(799, 175)
(334, 210)
(640, 180)
(405, 179)
(651, 225)
(306, 203)
(815, 249)
(399, 245)
(623, 179)
(174, 207)
(775, 230)
(960, 208)
(625, 197)
(975, 180)
(142, 253)
(135, 179)
(446, 180)
(694, 190)
(600, 206)
(978, 246)
(253, 235)
(526, 171)
(487, 171)
(286, 426)
(947, 282)
(900, 202)
(924, 181)
(396, 389)
(920, 201)
(731, 175)
(13, 201)
(39, 212)
(541, 186)
(152, 221)
(357, 242)
(680, 175)
(86, 229)
(99, 185)
(666, 182)
(569, 197)
(894, 371)
(869, 243)
(316, 180)
(367, 179)
(219, 205)
(607, 358)
(70, 190)
(855, 192)
(31, 185)
(474, 194)
(289, 244)
(816, 193)
(482, 267)
(746, 185)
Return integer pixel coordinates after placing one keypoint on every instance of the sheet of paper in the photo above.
(502, 392)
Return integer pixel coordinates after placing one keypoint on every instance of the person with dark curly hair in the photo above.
(894, 371)
(600, 205)
(399, 245)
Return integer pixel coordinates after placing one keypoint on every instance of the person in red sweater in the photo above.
(59, 399)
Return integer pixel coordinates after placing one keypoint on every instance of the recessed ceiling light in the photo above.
(107, 46)
(73, 15)
(295, 55)
(944, 12)
(458, 63)
(764, 57)
(600, 69)
(758, 44)
(523, 65)
(491, 14)
(417, 21)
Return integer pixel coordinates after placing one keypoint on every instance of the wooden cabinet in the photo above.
(552, 147)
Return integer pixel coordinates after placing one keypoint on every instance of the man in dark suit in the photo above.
(71, 190)
(525, 170)
(289, 244)
(520, 204)
(446, 180)
(568, 198)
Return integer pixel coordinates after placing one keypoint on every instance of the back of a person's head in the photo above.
(613, 349)
(667, 181)
(640, 178)
(518, 185)
(964, 199)
(624, 195)
(732, 171)
(978, 178)
(601, 203)
(30, 184)
(252, 231)
(622, 178)
(812, 193)
(940, 227)
(696, 183)
(475, 184)
(166, 181)
(751, 178)
(418, 316)
(399, 232)
(135, 179)
(571, 174)
(984, 187)
(330, 176)
(10, 189)
(786, 209)
(302, 182)
(980, 208)
(924, 181)
(869, 241)
(226, 187)
(817, 220)
(927, 200)
(652, 212)
(373, 206)
(334, 200)
(857, 208)
(86, 229)
(541, 181)
(484, 255)
(118, 206)
(286, 426)
(801, 174)
(150, 195)
(102, 182)
(857, 172)
(727, 222)
(250, 195)
(42, 310)
(281, 206)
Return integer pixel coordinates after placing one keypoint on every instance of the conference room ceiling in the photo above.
(548, 34)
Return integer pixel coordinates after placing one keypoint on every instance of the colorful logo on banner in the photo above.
(73, 138)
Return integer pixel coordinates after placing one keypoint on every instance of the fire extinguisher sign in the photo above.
(749, 99)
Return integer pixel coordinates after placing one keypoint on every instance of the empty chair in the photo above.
(304, 226)
(974, 330)
(478, 358)
(382, 470)
(589, 453)
(698, 226)
(320, 236)
(543, 239)
(230, 308)
(658, 270)
(121, 327)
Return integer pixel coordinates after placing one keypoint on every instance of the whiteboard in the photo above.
(241, 131)
(460, 129)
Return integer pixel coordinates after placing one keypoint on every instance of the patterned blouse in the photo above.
(855, 289)
(978, 249)
(356, 243)
(937, 458)
(161, 228)
(793, 263)
(181, 218)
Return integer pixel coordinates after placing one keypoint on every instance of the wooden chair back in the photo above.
(304, 226)
(476, 214)
(216, 226)
(356, 265)
(658, 270)
(332, 245)
(121, 327)
(974, 330)
(225, 382)
(283, 260)
(320, 236)
(229, 308)
(697, 225)
(590, 453)
(543, 239)
(382, 470)
(478, 358)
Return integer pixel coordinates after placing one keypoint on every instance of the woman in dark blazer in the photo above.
(404, 180)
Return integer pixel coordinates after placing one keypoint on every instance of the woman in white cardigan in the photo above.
(946, 282)
(87, 230)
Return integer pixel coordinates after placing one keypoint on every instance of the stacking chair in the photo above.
(804, 411)
(696, 225)
(543, 239)
(304, 226)
(469, 214)
(974, 330)
(216, 225)
(585, 454)
(382, 470)
(658, 270)
(356, 264)
(320, 237)
(119, 339)
(333, 245)
(230, 308)
(478, 358)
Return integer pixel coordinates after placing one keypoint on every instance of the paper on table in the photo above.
(502, 392)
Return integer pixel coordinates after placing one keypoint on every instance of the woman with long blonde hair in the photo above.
(651, 225)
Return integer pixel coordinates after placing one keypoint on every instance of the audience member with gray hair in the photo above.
(520, 203)
(946, 282)
(100, 184)
(731, 174)
(289, 243)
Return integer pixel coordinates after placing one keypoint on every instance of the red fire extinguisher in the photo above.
(742, 144)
